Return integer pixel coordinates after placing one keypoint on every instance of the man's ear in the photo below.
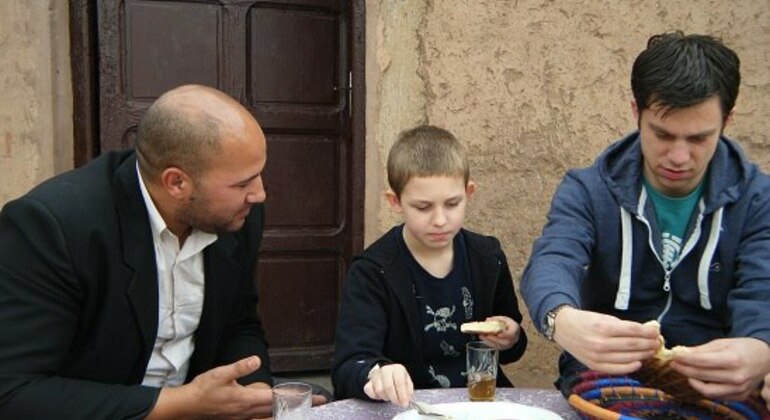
(729, 118)
(393, 201)
(635, 111)
(470, 189)
(176, 182)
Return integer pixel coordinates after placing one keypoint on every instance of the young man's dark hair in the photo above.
(677, 71)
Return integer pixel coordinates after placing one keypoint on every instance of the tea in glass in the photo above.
(481, 369)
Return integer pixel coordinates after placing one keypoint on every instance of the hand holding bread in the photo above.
(656, 372)
(501, 332)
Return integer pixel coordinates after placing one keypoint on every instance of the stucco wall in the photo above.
(35, 85)
(534, 87)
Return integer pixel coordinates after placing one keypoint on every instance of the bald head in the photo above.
(185, 128)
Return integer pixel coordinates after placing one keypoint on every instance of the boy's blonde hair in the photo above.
(425, 151)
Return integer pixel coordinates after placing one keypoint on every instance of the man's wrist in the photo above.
(173, 403)
(549, 324)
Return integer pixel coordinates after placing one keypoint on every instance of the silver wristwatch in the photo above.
(549, 325)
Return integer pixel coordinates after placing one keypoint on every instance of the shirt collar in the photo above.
(157, 224)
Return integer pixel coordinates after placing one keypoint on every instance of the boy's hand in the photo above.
(766, 391)
(506, 338)
(390, 383)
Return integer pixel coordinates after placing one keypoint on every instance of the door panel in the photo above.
(288, 62)
(297, 63)
(301, 293)
(311, 176)
(302, 47)
(169, 44)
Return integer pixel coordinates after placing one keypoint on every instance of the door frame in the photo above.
(85, 80)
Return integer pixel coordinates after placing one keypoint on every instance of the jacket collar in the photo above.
(138, 256)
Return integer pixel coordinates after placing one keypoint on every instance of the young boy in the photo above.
(408, 293)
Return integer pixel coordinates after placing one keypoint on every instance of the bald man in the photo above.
(126, 286)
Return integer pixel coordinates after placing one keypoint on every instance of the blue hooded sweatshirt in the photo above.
(600, 250)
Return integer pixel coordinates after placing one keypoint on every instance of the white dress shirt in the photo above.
(181, 285)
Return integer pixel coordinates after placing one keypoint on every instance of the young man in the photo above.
(126, 286)
(407, 295)
(671, 223)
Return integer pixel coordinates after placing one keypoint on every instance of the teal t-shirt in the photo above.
(673, 215)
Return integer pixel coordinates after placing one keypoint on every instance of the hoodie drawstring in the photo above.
(624, 286)
(705, 261)
(624, 282)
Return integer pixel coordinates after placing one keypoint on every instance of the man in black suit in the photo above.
(126, 286)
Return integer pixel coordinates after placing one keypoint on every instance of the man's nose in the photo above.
(679, 153)
(257, 193)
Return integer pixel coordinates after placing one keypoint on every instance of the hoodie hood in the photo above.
(728, 176)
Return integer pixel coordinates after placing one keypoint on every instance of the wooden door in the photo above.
(290, 62)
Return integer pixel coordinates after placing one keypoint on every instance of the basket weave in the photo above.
(604, 397)
(658, 373)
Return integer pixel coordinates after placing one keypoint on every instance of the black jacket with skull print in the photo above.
(379, 321)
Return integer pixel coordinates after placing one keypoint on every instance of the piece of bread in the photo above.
(483, 327)
(656, 372)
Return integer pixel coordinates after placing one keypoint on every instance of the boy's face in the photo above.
(433, 209)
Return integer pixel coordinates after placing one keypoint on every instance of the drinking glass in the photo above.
(292, 401)
(481, 367)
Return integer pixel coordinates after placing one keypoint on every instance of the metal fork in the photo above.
(425, 409)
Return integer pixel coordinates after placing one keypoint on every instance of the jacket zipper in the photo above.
(689, 245)
(666, 271)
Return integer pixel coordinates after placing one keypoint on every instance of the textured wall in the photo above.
(36, 105)
(534, 87)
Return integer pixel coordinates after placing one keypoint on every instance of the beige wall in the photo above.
(534, 87)
(35, 85)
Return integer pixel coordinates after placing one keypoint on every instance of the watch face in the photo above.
(548, 330)
(550, 322)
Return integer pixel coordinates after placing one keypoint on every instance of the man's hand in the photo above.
(605, 343)
(390, 383)
(216, 394)
(726, 368)
(317, 399)
(766, 391)
(506, 338)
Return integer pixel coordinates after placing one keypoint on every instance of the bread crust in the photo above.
(483, 327)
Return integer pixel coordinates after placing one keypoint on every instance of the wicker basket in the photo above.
(604, 397)
(658, 373)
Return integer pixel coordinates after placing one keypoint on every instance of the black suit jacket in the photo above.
(79, 297)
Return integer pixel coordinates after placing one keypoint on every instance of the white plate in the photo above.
(497, 410)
